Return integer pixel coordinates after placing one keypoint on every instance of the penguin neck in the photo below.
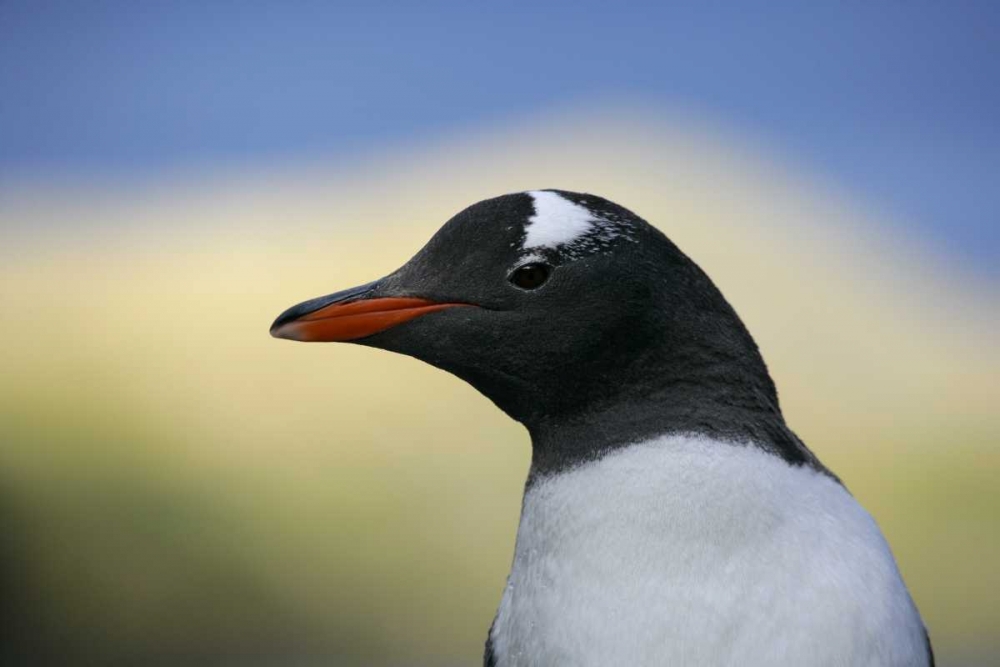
(723, 392)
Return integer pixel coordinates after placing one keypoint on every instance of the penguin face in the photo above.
(529, 297)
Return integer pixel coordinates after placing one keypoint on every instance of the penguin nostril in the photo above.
(531, 276)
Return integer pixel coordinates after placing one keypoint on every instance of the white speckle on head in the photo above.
(530, 258)
(689, 551)
(573, 228)
(557, 221)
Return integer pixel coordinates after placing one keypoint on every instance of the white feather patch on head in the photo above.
(557, 221)
(571, 227)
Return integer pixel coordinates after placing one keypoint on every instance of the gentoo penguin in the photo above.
(670, 516)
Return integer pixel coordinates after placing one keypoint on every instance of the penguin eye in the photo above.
(531, 276)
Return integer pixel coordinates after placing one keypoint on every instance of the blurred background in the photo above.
(178, 488)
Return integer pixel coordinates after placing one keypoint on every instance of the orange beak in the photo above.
(344, 316)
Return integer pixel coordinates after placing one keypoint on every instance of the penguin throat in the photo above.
(731, 405)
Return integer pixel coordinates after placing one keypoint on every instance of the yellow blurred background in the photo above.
(177, 487)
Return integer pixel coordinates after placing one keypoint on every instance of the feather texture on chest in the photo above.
(684, 550)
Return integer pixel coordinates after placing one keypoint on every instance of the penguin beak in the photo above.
(351, 314)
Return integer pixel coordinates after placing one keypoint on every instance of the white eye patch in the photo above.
(557, 221)
(572, 228)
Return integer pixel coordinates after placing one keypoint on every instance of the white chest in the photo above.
(684, 551)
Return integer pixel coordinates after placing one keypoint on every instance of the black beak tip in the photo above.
(289, 315)
(312, 305)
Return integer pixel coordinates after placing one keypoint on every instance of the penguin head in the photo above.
(548, 302)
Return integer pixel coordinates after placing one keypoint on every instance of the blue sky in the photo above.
(896, 101)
